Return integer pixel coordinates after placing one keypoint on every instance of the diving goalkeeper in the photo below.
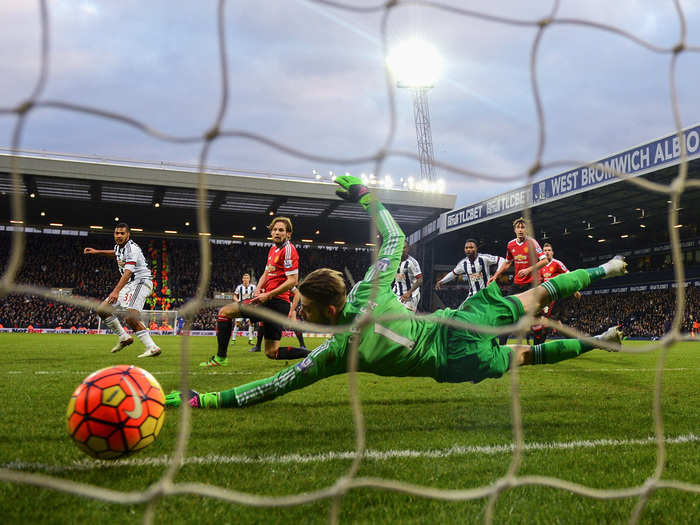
(409, 345)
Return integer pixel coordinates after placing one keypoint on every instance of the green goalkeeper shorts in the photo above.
(474, 356)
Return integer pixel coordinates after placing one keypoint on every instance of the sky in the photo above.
(312, 77)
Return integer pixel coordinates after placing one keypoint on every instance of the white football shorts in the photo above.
(134, 294)
(412, 303)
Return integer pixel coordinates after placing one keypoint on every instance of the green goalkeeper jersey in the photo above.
(407, 346)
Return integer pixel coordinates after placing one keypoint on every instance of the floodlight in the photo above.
(415, 64)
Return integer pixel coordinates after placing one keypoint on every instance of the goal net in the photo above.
(538, 27)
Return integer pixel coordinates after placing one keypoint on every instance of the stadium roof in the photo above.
(84, 191)
(583, 214)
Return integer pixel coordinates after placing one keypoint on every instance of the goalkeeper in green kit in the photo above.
(410, 346)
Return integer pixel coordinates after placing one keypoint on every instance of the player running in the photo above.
(130, 293)
(409, 346)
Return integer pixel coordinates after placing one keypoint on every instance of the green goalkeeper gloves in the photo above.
(353, 190)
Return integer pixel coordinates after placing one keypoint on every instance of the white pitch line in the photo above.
(248, 372)
(376, 455)
(155, 373)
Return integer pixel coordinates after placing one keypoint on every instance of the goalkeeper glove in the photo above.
(353, 190)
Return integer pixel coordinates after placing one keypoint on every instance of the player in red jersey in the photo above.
(558, 310)
(528, 257)
(273, 291)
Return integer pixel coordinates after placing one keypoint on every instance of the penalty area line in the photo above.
(376, 455)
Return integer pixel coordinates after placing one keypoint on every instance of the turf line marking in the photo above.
(376, 455)
(156, 373)
(248, 372)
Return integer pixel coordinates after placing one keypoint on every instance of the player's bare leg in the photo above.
(271, 348)
(144, 335)
(104, 311)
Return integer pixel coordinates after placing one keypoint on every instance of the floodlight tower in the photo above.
(416, 65)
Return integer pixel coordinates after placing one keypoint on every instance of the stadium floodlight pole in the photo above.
(416, 65)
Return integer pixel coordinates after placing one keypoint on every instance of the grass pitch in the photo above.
(587, 420)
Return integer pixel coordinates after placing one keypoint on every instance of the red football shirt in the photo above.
(552, 269)
(281, 262)
(518, 252)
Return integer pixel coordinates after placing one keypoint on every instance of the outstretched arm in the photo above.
(93, 251)
(500, 270)
(534, 268)
(393, 237)
(114, 294)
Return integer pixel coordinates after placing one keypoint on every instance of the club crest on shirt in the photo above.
(304, 365)
(383, 264)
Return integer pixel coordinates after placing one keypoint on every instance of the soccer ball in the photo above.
(115, 412)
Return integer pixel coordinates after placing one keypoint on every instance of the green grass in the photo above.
(598, 396)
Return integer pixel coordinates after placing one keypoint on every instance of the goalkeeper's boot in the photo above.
(121, 344)
(615, 267)
(612, 335)
(215, 361)
(256, 348)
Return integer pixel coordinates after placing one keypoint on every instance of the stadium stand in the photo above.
(56, 261)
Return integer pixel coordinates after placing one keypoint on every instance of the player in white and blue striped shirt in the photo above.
(476, 266)
(242, 292)
(130, 293)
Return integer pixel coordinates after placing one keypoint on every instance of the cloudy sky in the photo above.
(312, 77)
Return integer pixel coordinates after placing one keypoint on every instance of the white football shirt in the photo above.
(244, 292)
(409, 271)
(130, 257)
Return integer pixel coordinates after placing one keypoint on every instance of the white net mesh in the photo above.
(540, 26)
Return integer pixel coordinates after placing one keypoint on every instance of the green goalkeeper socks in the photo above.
(555, 351)
(567, 284)
(227, 399)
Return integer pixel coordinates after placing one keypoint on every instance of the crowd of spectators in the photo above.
(57, 261)
(641, 314)
(17, 311)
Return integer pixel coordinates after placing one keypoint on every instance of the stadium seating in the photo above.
(57, 261)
